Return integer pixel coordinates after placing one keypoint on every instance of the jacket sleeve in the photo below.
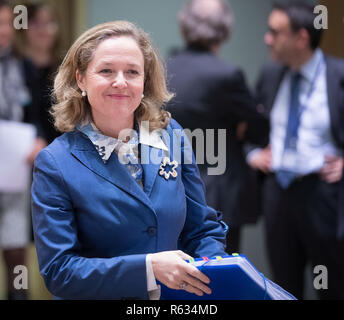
(66, 272)
(204, 233)
(262, 129)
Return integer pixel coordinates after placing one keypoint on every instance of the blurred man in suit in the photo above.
(212, 94)
(302, 93)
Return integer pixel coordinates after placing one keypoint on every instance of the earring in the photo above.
(83, 93)
(143, 95)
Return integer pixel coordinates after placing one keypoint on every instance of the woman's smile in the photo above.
(118, 96)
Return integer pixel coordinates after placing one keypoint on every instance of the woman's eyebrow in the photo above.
(133, 65)
(107, 63)
(102, 63)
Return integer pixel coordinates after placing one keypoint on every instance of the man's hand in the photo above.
(262, 160)
(37, 147)
(171, 269)
(332, 170)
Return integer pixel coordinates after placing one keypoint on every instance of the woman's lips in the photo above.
(118, 96)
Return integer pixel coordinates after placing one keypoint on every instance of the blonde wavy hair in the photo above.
(71, 109)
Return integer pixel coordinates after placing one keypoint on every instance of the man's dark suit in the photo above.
(211, 93)
(306, 221)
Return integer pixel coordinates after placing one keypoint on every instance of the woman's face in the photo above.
(6, 27)
(42, 30)
(114, 79)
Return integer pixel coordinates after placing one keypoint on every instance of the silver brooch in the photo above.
(172, 172)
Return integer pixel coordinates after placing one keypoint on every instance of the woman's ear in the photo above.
(80, 80)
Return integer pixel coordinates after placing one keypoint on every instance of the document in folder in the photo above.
(16, 142)
(231, 278)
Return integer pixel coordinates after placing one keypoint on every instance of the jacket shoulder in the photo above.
(201, 63)
(60, 146)
(173, 124)
(335, 63)
(272, 67)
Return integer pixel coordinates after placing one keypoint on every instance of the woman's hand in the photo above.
(171, 269)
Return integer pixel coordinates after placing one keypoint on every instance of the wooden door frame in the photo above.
(332, 42)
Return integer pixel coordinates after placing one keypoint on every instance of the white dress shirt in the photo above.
(315, 140)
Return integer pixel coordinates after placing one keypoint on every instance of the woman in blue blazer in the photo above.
(118, 202)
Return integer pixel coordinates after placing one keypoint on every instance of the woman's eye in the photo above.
(133, 72)
(105, 71)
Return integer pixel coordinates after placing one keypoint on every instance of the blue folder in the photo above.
(231, 278)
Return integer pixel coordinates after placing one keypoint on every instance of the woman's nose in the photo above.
(119, 80)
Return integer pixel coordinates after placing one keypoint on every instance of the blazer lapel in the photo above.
(112, 171)
(274, 85)
(154, 146)
(150, 167)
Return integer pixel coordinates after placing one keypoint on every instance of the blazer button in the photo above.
(151, 231)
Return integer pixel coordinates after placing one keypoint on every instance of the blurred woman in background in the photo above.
(40, 47)
(14, 108)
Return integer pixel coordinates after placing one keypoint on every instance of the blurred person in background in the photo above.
(213, 94)
(302, 92)
(40, 47)
(14, 101)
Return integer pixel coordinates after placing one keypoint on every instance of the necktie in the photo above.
(283, 176)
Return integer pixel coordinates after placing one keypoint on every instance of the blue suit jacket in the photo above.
(94, 225)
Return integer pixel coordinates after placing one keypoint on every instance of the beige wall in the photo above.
(333, 37)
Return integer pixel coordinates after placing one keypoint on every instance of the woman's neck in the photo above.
(40, 57)
(114, 129)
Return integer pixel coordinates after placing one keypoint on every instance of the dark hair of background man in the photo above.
(301, 16)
